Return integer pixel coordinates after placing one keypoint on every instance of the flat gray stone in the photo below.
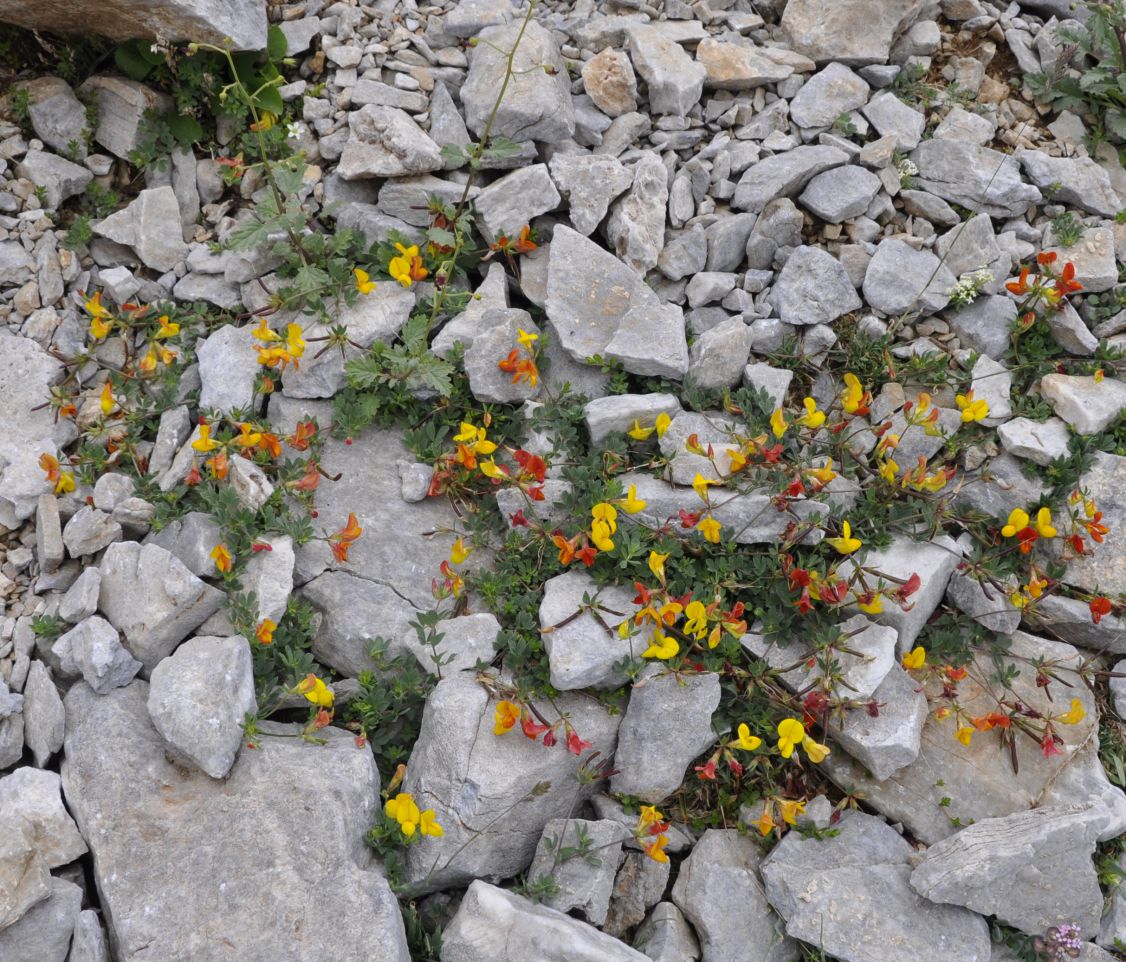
(852, 31)
(150, 224)
(981, 179)
(590, 182)
(93, 649)
(513, 201)
(826, 95)
(1090, 407)
(386, 142)
(783, 175)
(813, 288)
(900, 279)
(675, 81)
(581, 884)
(43, 716)
(840, 194)
(44, 933)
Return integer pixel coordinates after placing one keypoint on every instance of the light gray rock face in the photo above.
(1069, 331)
(1070, 620)
(784, 175)
(499, 335)
(1104, 569)
(991, 382)
(228, 365)
(1093, 256)
(581, 884)
(1031, 870)
(199, 698)
(377, 316)
(711, 428)
(191, 539)
(88, 531)
(900, 278)
(386, 142)
(598, 305)
(536, 106)
(609, 81)
(590, 182)
(892, 117)
(148, 595)
(639, 885)
(779, 226)
(466, 641)
(854, 32)
(25, 382)
(49, 548)
(889, 740)
(122, 790)
(975, 177)
(840, 194)
(44, 718)
(1090, 407)
(25, 878)
(636, 228)
(150, 224)
(583, 652)
(93, 649)
(974, 786)
(972, 246)
(35, 796)
(983, 602)
(483, 787)
(984, 325)
(57, 116)
(269, 574)
(89, 942)
(849, 896)
(44, 933)
(494, 925)
(675, 81)
(653, 755)
(243, 22)
(60, 179)
(617, 412)
(718, 356)
(739, 66)
(666, 936)
(813, 288)
(717, 888)
(121, 106)
(508, 204)
(826, 95)
(1079, 181)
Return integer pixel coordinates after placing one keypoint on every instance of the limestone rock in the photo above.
(813, 288)
(675, 81)
(93, 649)
(976, 177)
(150, 224)
(44, 933)
(854, 32)
(609, 81)
(386, 142)
(1088, 406)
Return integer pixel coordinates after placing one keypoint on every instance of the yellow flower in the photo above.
(700, 486)
(790, 808)
(873, 607)
(888, 470)
(791, 732)
(248, 437)
(656, 848)
(1074, 715)
(1018, 521)
(853, 394)
(147, 364)
(1018, 599)
(222, 558)
(65, 483)
(824, 474)
(204, 442)
(600, 536)
(971, 410)
(458, 553)
(637, 432)
(264, 333)
(657, 565)
(915, 659)
(778, 423)
(266, 120)
(428, 826)
(709, 528)
(476, 437)
(941, 714)
(766, 820)
(526, 340)
(1099, 375)
(662, 647)
(815, 750)
(1036, 585)
(168, 328)
(294, 342)
(316, 691)
(265, 632)
(964, 734)
(402, 809)
(846, 544)
(605, 513)
(99, 326)
(631, 503)
(662, 424)
(400, 267)
(1044, 524)
(747, 741)
(364, 283)
(507, 714)
(95, 307)
(107, 401)
(697, 619)
(812, 417)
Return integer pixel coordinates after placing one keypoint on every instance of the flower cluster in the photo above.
(403, 810)
(650, 832)
(521, 361)
(533, 724)
(969, 285)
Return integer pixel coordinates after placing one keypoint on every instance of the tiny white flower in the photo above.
(293, 131)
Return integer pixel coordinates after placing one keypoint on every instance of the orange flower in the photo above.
(343, 539)
(521, 368)
(525, 244)
(566, 548)
(1020, 286)
(302, 435)
(507, 714)
(1100, 607)
(222, 558)
(265, 632)
(219, 466)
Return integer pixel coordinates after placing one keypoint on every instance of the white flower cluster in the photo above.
(969, 286)
(906, 167)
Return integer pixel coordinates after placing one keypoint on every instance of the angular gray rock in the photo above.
(199, 697)
(269, 574)
(93, 649)
(44, 718)
(1089, 406)
(495, 925)
(981, 179)
(59, 179)
(900, 279)
(826, 95)
(813, 288)
(985, 325)
(636, 228)
(148, 595)
(150, 224)
(35, 796)
(1031, 870)
(1079, 181)
(25, 878)
(590, 182)
(889, 740)
(89, 943)
(674, 80)
(609, 81)
(466, 640)
(489, 790)
(784, 175)
(892, 117)
(849, 895)
(122, 790)
(718, 356)
(88, 531)
(536, 106)
(228, 365)
(1104, 569)
(580, 884)
(1040, 442)
(386, 142)
(985, 603)
(666, 936)
(854, 32)
(57, 116)
(1093, 257)
(44, 933)
(500, 330)
(617, 412)
(717, 888)
(510, 203)
(840, 194)
(740, 66)
(653, 755)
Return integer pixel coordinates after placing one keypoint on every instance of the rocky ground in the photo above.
(748, 332)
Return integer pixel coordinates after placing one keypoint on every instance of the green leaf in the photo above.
(453, 154)
(249, 234)
(185, 128)
(441, 236)
(269, 99)
(502, 147)
(276, 44)
(131, 62)
(1116, 124)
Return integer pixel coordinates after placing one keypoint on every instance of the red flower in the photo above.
(804, 603)
(956, 674)
(531, 727)
(1076, 543)
(1050, 745)
(689, 519)
(586, 554)
(575, 745)
(706, 771)
(530, 464)
(816, 703)
(518, 520)
(1100, 606)
(549, 738)
(772, 455)
(908, 588)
